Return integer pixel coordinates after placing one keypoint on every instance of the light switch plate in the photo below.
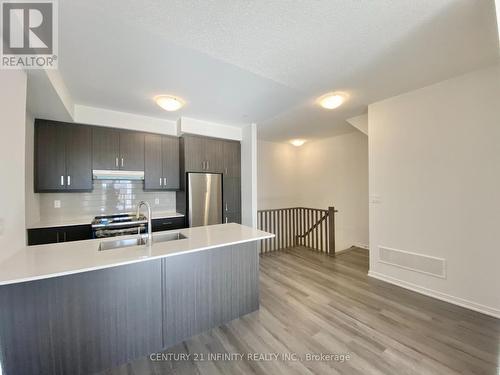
(375, 199)
(57, 203)
(157, 200)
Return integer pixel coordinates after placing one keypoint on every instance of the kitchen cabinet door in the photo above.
(214, 151)
(159, 225)
(41, 236)
(153, 162)
(50, 163)
(131, 151)
(232, 194)
(232, 158)
(232, 217)
(77, 233)
(78, 140)
(105, 148)
(170, 156)
(194, 154)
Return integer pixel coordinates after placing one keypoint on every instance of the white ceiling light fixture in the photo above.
(169, 103)
(297, 142)
(332, 100)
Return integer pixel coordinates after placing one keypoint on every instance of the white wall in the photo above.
(32, 204)
(116, 119)
(277, 175)
(435, 173)
(360, 122)
(12, 155)
(209, 129)
(249, 176)
(333, 171)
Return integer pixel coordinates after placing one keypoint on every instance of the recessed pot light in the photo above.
(332, 100)
(297, 142)
(169, 103)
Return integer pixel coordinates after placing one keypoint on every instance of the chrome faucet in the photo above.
(150, 235)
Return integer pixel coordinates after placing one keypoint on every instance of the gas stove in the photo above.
(118, 225)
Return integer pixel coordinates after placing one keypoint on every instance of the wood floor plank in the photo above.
(315, 303)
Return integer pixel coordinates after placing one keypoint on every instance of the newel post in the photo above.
(331, 230)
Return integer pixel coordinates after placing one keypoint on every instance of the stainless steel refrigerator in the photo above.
(204, 199)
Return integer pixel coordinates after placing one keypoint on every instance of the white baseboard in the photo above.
(438, 295)
(362, 245)
(342, 251)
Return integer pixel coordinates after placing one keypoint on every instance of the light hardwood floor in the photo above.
(313, 303)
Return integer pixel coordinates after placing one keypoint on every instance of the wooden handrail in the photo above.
(298, 226)
(325, 216)
(292, 208)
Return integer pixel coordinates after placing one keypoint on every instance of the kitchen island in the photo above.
(68, 308)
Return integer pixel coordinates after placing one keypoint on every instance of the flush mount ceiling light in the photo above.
(169, 103)
(332, 100)
(297, 142)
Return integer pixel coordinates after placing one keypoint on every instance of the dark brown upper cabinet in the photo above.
(115, 149)
(161, 162)
(203, 154)
(105, 148)
(63, 159)
(232, 159)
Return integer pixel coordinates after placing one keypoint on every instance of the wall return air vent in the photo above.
(413, 261)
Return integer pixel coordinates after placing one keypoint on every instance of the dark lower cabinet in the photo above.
(208, 288)
(93, 321)
(81, 323)
(232, 217)
(41, 236)
(160, 225)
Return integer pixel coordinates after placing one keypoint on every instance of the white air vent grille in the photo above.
(413, 261)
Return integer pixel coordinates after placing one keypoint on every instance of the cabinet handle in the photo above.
(57, 236)
(226, 219)
(69, 180)
(226, 206)
(225, 170)
(116, 162)
(203, 165)
(164, 181)
(64, 236)
(62, 180)
(122, 162)
(160, 181)
(208, 164)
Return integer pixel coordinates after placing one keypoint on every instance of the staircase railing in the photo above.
(298, 226)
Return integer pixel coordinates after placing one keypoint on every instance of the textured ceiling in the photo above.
(265, 61)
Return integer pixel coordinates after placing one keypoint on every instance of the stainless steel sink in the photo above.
(168, 237)
(115, 244)
(139, 241)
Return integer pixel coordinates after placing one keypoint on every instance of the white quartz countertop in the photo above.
(45, 261)
(87, 219)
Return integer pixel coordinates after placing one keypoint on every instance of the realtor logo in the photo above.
(29, 34)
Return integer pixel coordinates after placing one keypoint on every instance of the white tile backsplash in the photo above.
(108, 196)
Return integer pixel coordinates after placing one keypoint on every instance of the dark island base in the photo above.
(91, 321)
